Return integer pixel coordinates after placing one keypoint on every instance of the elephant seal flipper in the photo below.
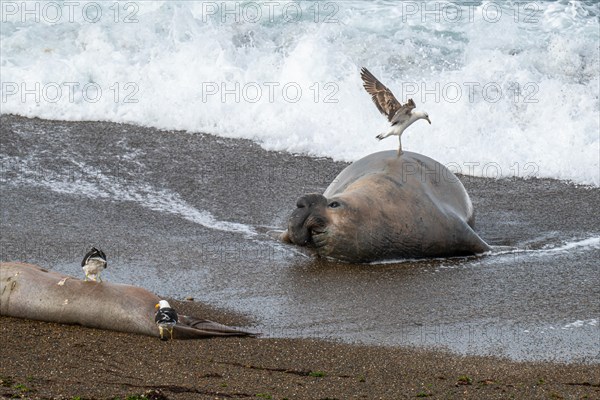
(474, 244)
(466, 241)
(192, 328)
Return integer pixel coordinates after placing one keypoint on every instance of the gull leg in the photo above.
(86, 277)
(400, 152)
(98, 277)
(160, 330)
(171, 332)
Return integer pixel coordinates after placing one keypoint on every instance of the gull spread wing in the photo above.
(384, 99)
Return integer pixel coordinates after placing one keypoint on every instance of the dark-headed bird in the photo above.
(400, 116)
(93, 263)
(165, 318)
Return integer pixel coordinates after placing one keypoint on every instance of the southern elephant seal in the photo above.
(28, 291)
(386, 207)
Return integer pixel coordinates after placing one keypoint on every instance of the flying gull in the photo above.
(93, 263)
(400, 116)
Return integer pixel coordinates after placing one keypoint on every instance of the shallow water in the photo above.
(189, 216)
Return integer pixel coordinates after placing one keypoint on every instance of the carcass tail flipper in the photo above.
(193, 328)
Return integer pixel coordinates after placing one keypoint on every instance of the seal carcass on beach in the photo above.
(28, 291)
(385, 207)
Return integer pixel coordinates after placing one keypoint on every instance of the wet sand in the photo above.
(49, 361)
(186, 214)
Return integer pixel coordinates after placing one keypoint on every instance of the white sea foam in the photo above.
(589, 243)
(105, 187)
(580, 323)
(178, 53)
(576, 245)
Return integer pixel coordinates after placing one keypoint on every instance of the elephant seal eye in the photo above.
(333, 204)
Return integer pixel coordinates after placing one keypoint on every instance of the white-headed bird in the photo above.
(165, 318)
(93, 263)
(401, 116)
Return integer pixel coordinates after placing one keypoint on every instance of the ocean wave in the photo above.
(511, 88)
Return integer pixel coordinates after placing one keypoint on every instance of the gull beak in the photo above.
(157, 306)
(428, 120)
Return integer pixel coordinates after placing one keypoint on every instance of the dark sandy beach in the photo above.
(47, 361)
(187, 215)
